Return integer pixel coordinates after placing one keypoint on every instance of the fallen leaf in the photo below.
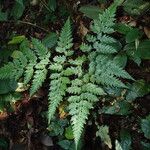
(147, 31)
(82, 29)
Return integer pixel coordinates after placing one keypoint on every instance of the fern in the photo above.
(102, 68)
(83, 96)
(79, 79)
(59, 78)
(31, 63)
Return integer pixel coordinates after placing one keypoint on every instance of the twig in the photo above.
(31, 24)
(28, 23)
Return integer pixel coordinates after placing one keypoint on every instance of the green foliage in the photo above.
(137, 89)
(103, 133)
(17, 39)
(3, 16)
(69, 133)
(118, 145)
(3, 144)
(69, 80)
(50, 40)
(145, 146)
(26, 65)
(66, 145)
(7, 86)
(145, 125)
(7, 99)
(136, 7)
(18, 9)
(59, 80)
(125, 138)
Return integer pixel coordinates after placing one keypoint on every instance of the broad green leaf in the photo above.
(132, 35)
(17, 39)
(50, 40)
(119, 108)
(145, 146)
(3, 16)
(69, 133)
(137, 89)
(18, 9)
(3, 144)
(125, 138)
(65, 144)
(121, 60)
(52, 4)
(143, 50)
(145, 125)
(132, 53)
(91, 11)
(118, 145)
(122, 28)
(103, 133)
(16, 54)
(7, 86)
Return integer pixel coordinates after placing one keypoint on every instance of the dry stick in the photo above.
(27, 23)
(31, 24)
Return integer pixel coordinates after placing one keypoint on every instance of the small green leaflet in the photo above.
(145, 146)
(137, 89)
(50, 40)
(69, 133)
(103, 133)
(18, 9)
(125, 138)
(143, 50)
(17, 39)
(118, 145)
(3, 16)
(52, 5)
(132, 35)
(3, 144)
(7, 86)
(145, 125)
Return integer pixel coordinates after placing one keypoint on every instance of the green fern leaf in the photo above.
(40, 75)
(65, 39)
(39, 48)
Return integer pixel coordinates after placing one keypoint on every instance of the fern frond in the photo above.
(15, 69)
(39, 48)
(104, 48)
(65, 39)
(107, 72)
(79, 111)
(8, 71)
(40, 75)
(58, 88)
(105, 22)
(81, 101)
(58, 84)
(85, 47)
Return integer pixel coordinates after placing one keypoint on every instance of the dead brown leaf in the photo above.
(147, 31)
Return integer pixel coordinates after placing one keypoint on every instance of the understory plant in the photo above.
(80, 80)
